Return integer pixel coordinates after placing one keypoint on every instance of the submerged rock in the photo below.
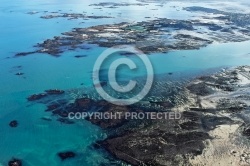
(13, 123)
(36, 97)
(25, 53)
(46, 118)
(15, 162)
(61, 112)
(80, 56)
(19, 74)
(52, 106)
(127, 53)
(43, 95)
(66, 155)
(65, 121)
(54, 92)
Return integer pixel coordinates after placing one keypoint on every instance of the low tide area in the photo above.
(200, 56)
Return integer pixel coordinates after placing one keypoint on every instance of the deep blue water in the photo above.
(37, 142)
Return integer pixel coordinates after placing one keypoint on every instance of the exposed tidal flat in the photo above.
(39, 134)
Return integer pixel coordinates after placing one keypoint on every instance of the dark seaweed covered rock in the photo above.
(232, 106)
(96, 145)
(61, 112)
(206, 85)
(54, 92)
(83, 104)
(36, 97)
(62, 107)
(192, 116)
(110, 122)
(52, 106)
(66, 155)
(25, 53)
(138, 148)
(211, 122)
(13, 123)
(245, 128)
(47, 92)
(246, 132)
(158, 142)
(200, 89)
(189, 125)
(15, 162)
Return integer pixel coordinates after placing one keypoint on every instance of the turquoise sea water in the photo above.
(37, 142)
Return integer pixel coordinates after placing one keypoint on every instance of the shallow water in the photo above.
(37, 142)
